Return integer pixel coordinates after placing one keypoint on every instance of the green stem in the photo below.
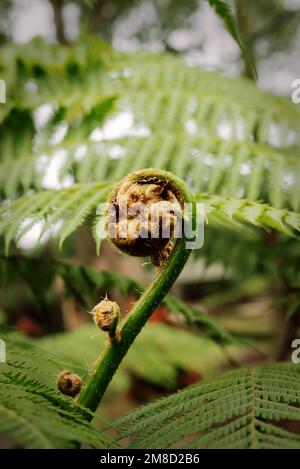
(110, 359)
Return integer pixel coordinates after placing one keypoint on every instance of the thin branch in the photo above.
(57, 6)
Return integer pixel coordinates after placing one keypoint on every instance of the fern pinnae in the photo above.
(27, 433)
(138, 152)
(103, 167)
(144, 155)
(275, 185)
(84, 170)
(273, 429)
(216, 174)
(182, 401)
(200, 411)
(224, 12)
(233, 187)
(83, 210)
(13, 177)
(213, 437)
(27, 388)
(197, 419)
(256, 179)
(167, 150)
(197, 163)
(52, 201)
(25, 207)
(69, 201)
(236, 405)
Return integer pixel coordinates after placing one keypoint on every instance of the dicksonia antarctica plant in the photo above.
(236, 148)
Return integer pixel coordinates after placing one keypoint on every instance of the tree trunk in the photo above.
(243, 20)
(57, 6)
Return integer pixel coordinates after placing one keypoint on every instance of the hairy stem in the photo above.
(110, 359)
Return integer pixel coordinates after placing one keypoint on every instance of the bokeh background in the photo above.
(35, 300)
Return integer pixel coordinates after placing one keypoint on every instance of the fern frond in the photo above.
(223, 10)
(221, 211)
(225, 167)
(211, 101)
(85, 284)
(74, 204)
(71, 205)
(32, 412)
(198, 123)
(159, 90)
(246, 408)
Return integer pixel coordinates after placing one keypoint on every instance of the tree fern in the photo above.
(198, 109)
(248, 408)
(206, 97)
(237, 148)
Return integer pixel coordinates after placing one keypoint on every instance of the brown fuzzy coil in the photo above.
(160, 258)
(141, 217)
(69, 383)
(130, 194)
(104, 313)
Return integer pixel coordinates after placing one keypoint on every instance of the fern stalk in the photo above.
(110, 359)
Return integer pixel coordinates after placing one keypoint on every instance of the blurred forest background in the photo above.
(189, 28)
(233, 291)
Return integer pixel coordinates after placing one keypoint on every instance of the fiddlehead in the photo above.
(148, 187)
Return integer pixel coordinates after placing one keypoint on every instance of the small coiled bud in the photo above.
(69, 383)
(106, 315)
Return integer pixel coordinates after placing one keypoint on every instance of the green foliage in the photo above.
(222, 135)
(247, 408)
(223, 10)
(156, 355)
(236, 147)
(32, 412)
(229, 167)
(211, 123)
(74, 204)
(86, 284)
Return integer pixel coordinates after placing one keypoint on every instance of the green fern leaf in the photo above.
(32, 412)
(223, 10)
(246, 408)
